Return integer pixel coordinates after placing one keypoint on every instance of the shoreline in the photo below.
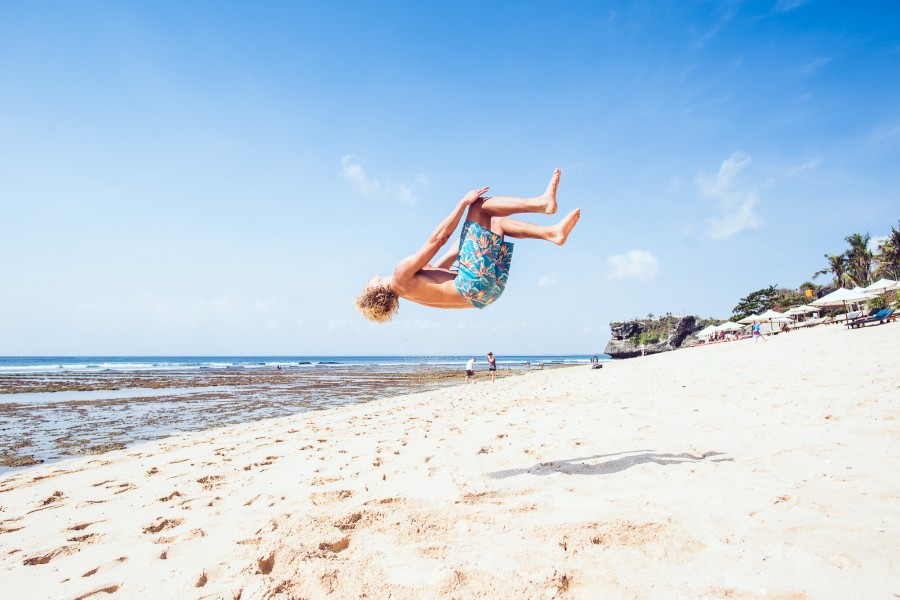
(45, 419)
(731, 471)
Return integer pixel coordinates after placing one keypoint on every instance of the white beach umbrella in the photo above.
(881, 285)
(729, 326)
(801, 310)
(749, 319)
(773, 315)
(707, 331)
(840, 297)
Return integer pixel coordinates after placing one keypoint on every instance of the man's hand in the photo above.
(474, 195)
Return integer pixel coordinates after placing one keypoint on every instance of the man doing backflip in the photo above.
(484, 257)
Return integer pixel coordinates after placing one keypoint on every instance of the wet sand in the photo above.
(741, 471)
(47, 417)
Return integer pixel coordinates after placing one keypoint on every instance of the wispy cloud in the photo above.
(814, 65)
(736, 205)
(876, 241)
(418, 326)
(335, 325)
(154, 310)
(407, 192)
(634, 264)
(546, 280)
(728, 11)
(789, 5)
(810, 164)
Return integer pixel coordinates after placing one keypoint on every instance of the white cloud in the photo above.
(814, 65)
(407, 192)
(810, 164)
(736, 205)
(788, 5)
(875, 243)
(341, 325)
(634, 264)
(676, 184)
(546, 280)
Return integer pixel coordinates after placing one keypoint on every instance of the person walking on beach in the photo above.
(643, 349)
(492, 364)
(757, 334)
(483, 254)
(470, 370)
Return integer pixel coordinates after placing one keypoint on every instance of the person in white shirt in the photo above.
(470, 370)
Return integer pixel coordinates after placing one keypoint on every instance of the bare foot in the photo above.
(550, 194)
(565, 227)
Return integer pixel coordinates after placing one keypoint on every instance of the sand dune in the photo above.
(739, 470)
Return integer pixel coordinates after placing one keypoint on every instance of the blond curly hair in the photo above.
(378, 303)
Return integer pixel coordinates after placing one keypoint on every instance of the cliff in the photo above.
(658, 335)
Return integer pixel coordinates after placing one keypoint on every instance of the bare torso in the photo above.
(431, 286)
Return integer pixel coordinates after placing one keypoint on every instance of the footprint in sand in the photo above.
(319, 498)
(210, 481)
(56, 497)
(105, 566)
(338, 546)
(106, 589)
(88, 538)
(349, 522)
(266, 564)
(43, 559)
(162, 524)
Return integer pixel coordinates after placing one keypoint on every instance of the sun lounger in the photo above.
(881, 316)
(852, 321)
(817, 321)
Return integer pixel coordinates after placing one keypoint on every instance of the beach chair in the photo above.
(852, 322)
(881, 316)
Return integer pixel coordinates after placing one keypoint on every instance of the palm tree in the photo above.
(837, 266)
(889, 256)
(859, 259)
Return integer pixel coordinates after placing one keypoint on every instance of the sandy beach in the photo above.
(739, 470)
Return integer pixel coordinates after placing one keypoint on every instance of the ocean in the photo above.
(131, 364)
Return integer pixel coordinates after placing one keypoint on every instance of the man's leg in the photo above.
(481, 211)
(558, 234)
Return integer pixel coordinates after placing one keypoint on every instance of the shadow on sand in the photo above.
(583, 466)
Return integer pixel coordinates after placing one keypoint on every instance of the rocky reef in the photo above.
(657, 335)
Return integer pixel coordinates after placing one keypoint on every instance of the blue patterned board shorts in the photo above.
(484, 260)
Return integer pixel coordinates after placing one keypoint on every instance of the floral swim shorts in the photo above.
(484, 260)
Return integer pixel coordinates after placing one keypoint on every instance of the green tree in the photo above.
(756, 302)
(809, 285)
(888, 256)
(788, 299)
(859, 259)
(837, 267)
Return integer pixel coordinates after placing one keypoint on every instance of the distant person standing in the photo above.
(470, 370)
(643, 349)
(757, 334)
(492, 364)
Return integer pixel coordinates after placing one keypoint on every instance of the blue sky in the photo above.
(223, 177)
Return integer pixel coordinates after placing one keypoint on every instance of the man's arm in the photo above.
(410, 265)
(449, 258)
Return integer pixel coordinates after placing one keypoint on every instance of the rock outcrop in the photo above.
(657, 335)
